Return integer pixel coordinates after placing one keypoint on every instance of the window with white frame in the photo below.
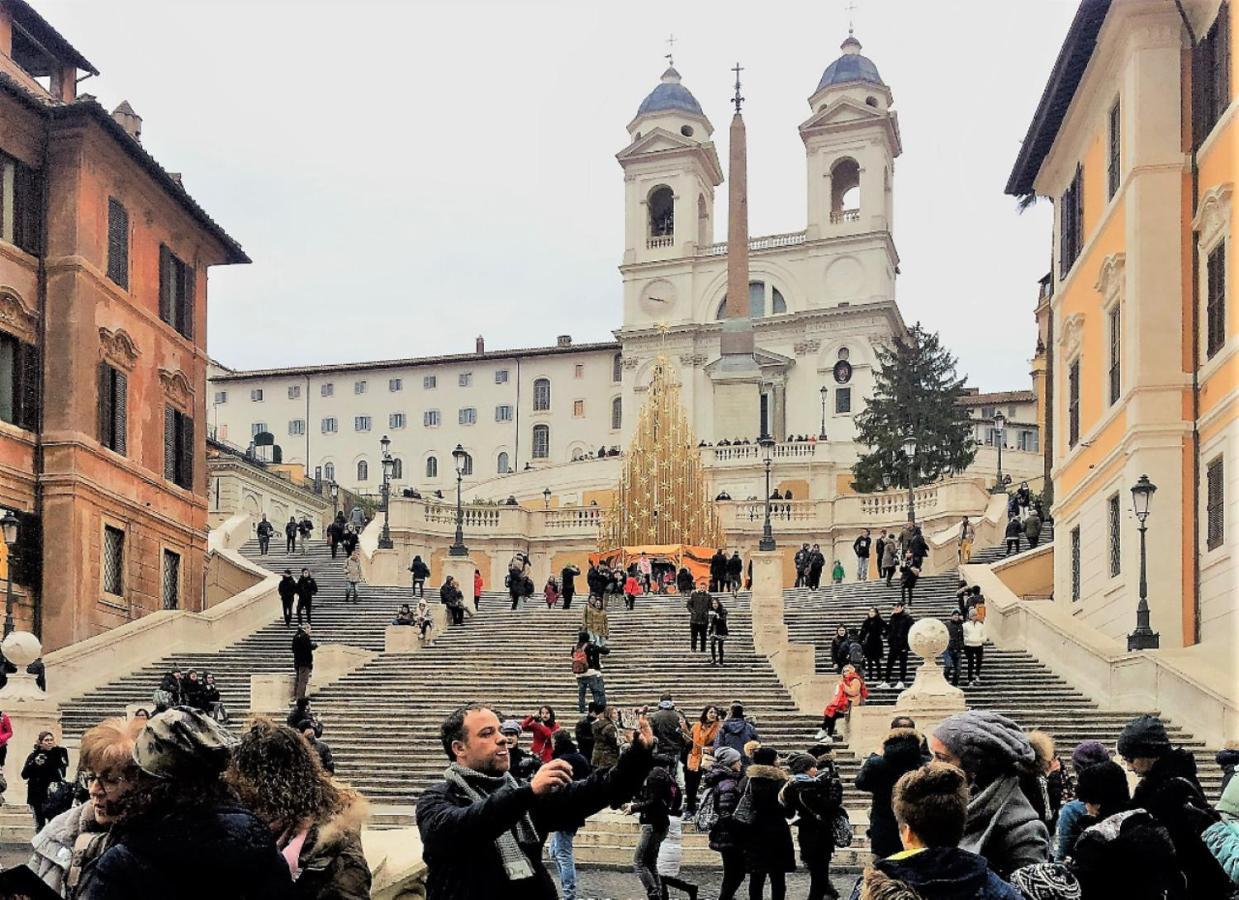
(395, 384)
(617, 367)
(296, 426)
(617, 413)
(501, 376)
(326, 390)
(1114, 375)
(541, 441)
(397, 467)
(294, 391)
(256, 395)
(465, 379)
(1215, 504)
(843, 400)
(541, 394)
(359, 387)
(329, 425)
(466, 465)
(1073, 403)
(395, 420)
(361, 423)
(1114, 523)
(1215, 300)
(432, 467)
(363, 470)
(502, 466)
(467, 415)
(221, 397)
(430, 382)
(503, 413)
(329, 471)
(430, 418)
(1075, 564)
(258, 428)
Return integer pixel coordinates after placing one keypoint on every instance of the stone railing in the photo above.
(574, 518)
(751, 453)
(780, 511)
(765, 242)
(474, 518)
(894, 504)
(661, 241)
(845, 215)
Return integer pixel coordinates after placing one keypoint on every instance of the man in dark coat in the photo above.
(265, 530)
(349, 541)
(290, 535)
(1169, 790)
(303, 659)
(816, 561)
(307, 587)
(801, 560)
(860, 547)
(669, 730)
(718, 570)
(698, 606)
(585, 730)
(287, 589)
(735, 571)
(483, 831)
(310, 733)
(814, 795)
(897, 628)
(335, 531)
(567, 582)
(901, 752)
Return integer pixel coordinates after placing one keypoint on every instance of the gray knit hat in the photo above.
(1144, 736)
(726, 756)
(1046, 881)
(985, 740)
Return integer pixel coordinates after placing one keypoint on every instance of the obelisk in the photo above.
(736, 377)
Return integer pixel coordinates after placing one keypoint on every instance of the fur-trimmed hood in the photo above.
(346, 822)
(772, 772)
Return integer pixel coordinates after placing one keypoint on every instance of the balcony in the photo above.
(766, 242)
(663, 240)
(741, 454)
(844, 215)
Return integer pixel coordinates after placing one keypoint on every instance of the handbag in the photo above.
(744, 809)
(841, 826)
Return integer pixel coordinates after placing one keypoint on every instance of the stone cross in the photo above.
(670, 49)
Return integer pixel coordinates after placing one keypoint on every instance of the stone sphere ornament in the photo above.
(21, 648)
(928, 638)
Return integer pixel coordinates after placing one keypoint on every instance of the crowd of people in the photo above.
(190, 688)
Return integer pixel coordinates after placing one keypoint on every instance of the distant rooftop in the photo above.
(976, 398)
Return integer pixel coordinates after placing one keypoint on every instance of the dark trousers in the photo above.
(303, 681)
(873, 667)
(263, 544)
(819, 876)
(757, 884)
(630, 600)
(458, 614)
(334, 545)
(304, 603)
(419, 587)
(567, 595)
(692, 784)
(902, 657)
(288, 610)
(516, 599)
(733, 873)
(645, 860)
(974, 655)
(889, 572)
(905, 591)
(716, 646)
(828, 721)
(1032, 542)
(290, 544)
(815, 580)
(697, 631)
(1013, 545)
(950, 662)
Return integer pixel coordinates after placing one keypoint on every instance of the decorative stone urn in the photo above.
(930, 691)
(29, 709)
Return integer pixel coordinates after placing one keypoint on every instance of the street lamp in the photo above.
(1144, 637)
(909, 451)
(766, 442)
(1000, 423)
(9, 525)
(458, 548)
(385, 542)
(546, 498)
(822, 435)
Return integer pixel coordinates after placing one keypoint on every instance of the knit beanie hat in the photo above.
(1229, 804)
(510, 726)
(1046, 881)
(766, 756)
(726, 757)
(1145, 736)
(801, 763)
(1088, 753)
(182, 742)
(985, 741)
(1105, 784)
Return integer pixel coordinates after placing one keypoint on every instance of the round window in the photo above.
(843, 371)
(845, 353)
(686, 130)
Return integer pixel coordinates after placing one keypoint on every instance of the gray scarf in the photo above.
(477, 787)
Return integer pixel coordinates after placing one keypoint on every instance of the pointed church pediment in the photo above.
(660, 141)
(766, 360)
(843, 110)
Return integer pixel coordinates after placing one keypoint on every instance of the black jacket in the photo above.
(194, 854)
(840, 650)
(767, 838)
(41, 769)
(861, 545)
(698, 606)
(900, 754)
(324, 755)
(420, 570)
(724, 784)
(897, 630)
(584, 732)
(657, 800)
(735, 567)
(955, 633)
(871, 633)
(718, 622)
(303, 651)
(684, 581)
(307, 587)
(567, 578)
(940, 873)
(666, 726)
(1014, 528)
(718, 566)
(265, 529)
(287, 588)
(458, 835)
(349, 542)
(814, 802)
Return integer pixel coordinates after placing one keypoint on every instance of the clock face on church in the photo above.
(843, 371)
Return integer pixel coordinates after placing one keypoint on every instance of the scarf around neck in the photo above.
(477, 786)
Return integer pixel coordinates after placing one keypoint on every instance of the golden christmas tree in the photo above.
(663, 495)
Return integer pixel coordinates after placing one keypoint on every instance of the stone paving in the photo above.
(613, 884)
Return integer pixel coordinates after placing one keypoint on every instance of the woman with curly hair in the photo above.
(315, 819)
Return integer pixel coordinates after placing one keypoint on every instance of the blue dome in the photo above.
(850, 67)
(670, 95)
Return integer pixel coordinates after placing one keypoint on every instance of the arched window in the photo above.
(617, 412)
(397, 467)
(432, 467)
(466, 465)
(704, 233)
(845, 191)
(329, 471)
(762, 297)
(541, 394)
(617, 368)
(363, 470)
(661, 203)
(503, 467)
(541, 441)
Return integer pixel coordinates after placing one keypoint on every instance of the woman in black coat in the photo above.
(872, 630)
(901, 752)
(766, 838)
(840, 647)
(46, 764)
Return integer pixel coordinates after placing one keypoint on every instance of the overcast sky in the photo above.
(406, 175)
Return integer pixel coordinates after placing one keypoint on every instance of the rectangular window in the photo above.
(1075, 564)
(465, 379)
(1114, 519)
(176, 292)
(843, 400)
(327, 390)
(1215, 300)
(258, 428)
(221, 397)
(359, 387)
(430, 418)
(361, 423)
(1071, 224)
(1215, 507)
(118, 243)
(296, 426)
(578, 371)
(294, 391)
(256, 395)
(395, 384)
(171, 580)
(330, 425)
(113, 567)
(19, 383)
(578, 409)
(1073, 404)
(1211, 76)
(178, 447)
(395, 420)
(541, 441)
(503, 413)
(1116, 151)
(113, 408)
(21, 204)
(430, 382)
(1028, 441)
(501, 376)
(467, 416)
(1116, 354)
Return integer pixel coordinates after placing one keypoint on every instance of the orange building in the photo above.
(1134, 141)
(103, 288)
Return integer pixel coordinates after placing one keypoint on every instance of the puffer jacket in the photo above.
(1003, 827)
(53, 846)
(767, 838)
(724, 783)
(606, 743)
(814, 801)
(901, 752)
(1222, 839)
(735, 733)
(333, 865)
(938, 873)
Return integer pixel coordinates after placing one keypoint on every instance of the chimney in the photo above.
(481, 345)
(128, 120)
(564, 340)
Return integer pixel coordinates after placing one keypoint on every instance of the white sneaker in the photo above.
(883, 685)
(900, 686)
(821, 735)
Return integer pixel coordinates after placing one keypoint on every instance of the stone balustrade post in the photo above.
(30, 711)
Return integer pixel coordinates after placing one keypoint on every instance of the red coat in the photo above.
(543, 745)
(477, 585)
(843, 699)
(6, 729)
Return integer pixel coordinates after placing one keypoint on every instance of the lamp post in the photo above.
(546, 498)
(1000, 424)
(1144, 637)
(766, 442)
(909, 451)
(822, 434)
(9, 525)
(385, 542)
(458, 548)
(335, 499)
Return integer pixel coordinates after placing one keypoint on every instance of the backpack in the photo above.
(580, 663)
(856, 655)
(707, 812)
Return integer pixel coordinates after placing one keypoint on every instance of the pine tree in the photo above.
(916, 391)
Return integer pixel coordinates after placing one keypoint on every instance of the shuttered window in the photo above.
(1073, 404)
(176, 292)
(178, 448)
(113, 562)
(541, 441)
(118, 243)
(1215, 505)
(1075, 564)
(1071, 224)
(1113, 168)
(1211, 76)
(1116, 353)
(113, 408)
(19, 383)
(171, 580)
(1114, 520)
(1215, 300)
(21, 205)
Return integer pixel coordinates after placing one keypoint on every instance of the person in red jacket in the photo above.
(477, 588)
(632, 587)
(543, 727)
(6, 732)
